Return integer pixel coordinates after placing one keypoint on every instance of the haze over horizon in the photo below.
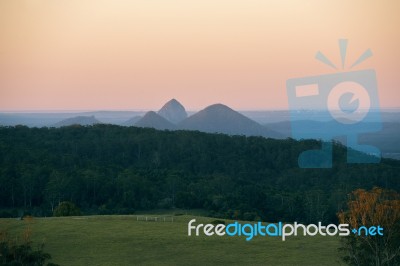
(191, 110)
(85, 55)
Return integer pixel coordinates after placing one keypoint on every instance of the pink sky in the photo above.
(124, 55)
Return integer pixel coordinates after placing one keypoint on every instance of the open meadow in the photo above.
(123, 240)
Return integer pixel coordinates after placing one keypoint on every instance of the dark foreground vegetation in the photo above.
(19, 250)
(107, 169)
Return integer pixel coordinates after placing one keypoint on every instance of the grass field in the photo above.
(122, 240)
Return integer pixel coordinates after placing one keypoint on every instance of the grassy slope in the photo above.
(121, 240)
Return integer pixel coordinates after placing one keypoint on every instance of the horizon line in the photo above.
(148, 110)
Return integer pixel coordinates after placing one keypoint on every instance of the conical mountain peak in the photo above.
(219, 118)
(153, 120)
(173, 111)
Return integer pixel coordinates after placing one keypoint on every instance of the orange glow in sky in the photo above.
(124, 55)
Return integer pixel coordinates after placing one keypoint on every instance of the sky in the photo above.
(138, 54)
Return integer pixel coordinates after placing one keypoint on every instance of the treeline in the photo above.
(107, 169)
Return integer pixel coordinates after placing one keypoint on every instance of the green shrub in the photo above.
(66, 208)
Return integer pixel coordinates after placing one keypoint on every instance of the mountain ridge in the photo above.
(78, 120)
(219, 118)
(153, 120)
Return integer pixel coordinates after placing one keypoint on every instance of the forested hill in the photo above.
(112, 169)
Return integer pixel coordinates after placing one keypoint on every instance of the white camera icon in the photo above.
(346, 104)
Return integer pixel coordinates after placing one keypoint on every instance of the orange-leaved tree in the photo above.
(378, 207)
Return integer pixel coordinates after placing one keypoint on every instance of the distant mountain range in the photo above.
(217, 118)
(78, 120)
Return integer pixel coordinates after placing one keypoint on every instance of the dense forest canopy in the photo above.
(109, 169)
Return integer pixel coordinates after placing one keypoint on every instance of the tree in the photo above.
(55, 188)
(372, 208)
(67, 208)
(122, 169)
(13, 252)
